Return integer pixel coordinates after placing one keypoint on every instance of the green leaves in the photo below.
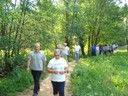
(101, 76)
(16, 81)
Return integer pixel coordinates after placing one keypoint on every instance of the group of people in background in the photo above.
(65, 51)
(103, 49)
(57, 67)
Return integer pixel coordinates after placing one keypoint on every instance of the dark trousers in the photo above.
(93, 53)
(36, 76)
(58, 87)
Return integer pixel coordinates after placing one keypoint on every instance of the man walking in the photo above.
(66, 51)
(36, 62)
(77, 49)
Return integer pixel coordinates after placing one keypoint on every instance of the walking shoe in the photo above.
(34, 94)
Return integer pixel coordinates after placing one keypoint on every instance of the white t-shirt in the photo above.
(97, 49)
(77, 48)
(57, 65)
(66, 50)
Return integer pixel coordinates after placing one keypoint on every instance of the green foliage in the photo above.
(25, 22)
(49, 22)
(122, 48)
(101, 76)
(18, 80)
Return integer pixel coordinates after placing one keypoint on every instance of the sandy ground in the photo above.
(46, 87)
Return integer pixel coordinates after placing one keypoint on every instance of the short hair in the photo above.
(59, 46)
(37, 44)
(65, 43)
(57, 51)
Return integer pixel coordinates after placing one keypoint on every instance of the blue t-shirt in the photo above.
(93, 48)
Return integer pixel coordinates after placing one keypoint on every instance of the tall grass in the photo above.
(101, 76)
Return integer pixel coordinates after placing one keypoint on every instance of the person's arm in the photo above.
(44, 65)
(28, 65)
(68, 51)
(65, 71)
(80, 48)
(50, 70)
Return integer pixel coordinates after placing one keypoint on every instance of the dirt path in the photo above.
(46, 87)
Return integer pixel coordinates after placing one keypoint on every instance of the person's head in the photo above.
(59, 46)
(65, 44)
(57, 54)
(77, 43)
(37, 47)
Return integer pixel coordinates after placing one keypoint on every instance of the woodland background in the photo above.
(52, 22)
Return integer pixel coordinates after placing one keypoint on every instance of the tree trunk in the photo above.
(67, 21)
(97, 35)
(89, 42)
(127, 44)
(82, 46)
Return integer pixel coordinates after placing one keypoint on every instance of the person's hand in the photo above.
(43, 71)
(28, 69)
(56, 72)
(62, 72)
(68, 71)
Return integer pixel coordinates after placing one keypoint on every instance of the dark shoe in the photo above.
(34, 94)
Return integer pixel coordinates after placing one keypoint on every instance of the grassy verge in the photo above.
(18, 80)
(101, 76)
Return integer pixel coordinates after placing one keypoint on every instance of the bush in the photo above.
(16, 81)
